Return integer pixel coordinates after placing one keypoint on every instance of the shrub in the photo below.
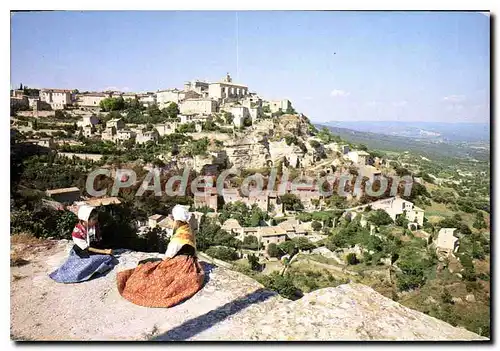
(254, 263)
(250, 242)
(283, 285)
(316, 226)
(380, 217)
(273, 250)
(314, 143)
(222, 253)
(287, 247)
(446, 297)
(351, 259)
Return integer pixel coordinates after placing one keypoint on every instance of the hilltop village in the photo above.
(299, 240)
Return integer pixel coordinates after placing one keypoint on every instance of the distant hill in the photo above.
(434, 149)
(438, 131)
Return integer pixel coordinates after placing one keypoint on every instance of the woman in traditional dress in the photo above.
(86, 258)
(166, 282)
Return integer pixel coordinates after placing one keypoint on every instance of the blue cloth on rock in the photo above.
(77, 269)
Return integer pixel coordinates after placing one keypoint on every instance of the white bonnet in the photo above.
(84, 212)
(181, 213)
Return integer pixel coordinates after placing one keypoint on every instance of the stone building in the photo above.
(231, 195)
(117, 123)
(91, 101)
(226, 89)
(276, 105)
(165, 97)
(396, 206)
(58, 99)
(370, 172)
(293, 228)
(266, 200)
(154, 220)
(109, 134)
(87, 131)
(307, 193)
(147, 99)
(43, 142)
(275, 234)
(446, 244)
(123, 135)
(239, 114)
(198, 87)
(232, 226)
(144, 137)
(198, 106)
(88, 121)
(166, 128)
(359, 157)
(207, 199)
(252, 101)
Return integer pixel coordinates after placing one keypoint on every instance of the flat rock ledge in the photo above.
(230, 306)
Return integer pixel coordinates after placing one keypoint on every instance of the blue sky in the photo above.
(408, 66)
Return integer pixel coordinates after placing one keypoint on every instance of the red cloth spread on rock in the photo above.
(162, 283)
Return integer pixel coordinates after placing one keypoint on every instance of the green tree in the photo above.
(402, 221)
(247, 122)
(477, 251)
(413, 268)
(254, 262)
(172, 110)
(59, 114)
(303, 244)
(291, 202)
(222, 253)
(228, 117)
(479, 222)
(129, 144)
(187, 128)
(273, 251)
(133, 104)
(469, 272)
(288, 247)
(250, 242)
(112, 104)
(316, 226)
(283, 285)
(314, 143)
(380, 217)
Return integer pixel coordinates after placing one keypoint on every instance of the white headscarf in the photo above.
(180, 213)
(84, 212)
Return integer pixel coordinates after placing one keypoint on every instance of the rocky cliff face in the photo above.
(231, 306)
(248, 152)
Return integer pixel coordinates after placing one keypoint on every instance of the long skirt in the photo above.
(77, 269)
(162, 283)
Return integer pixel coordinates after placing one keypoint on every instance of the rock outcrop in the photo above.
(248, 152)
(230, 306)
